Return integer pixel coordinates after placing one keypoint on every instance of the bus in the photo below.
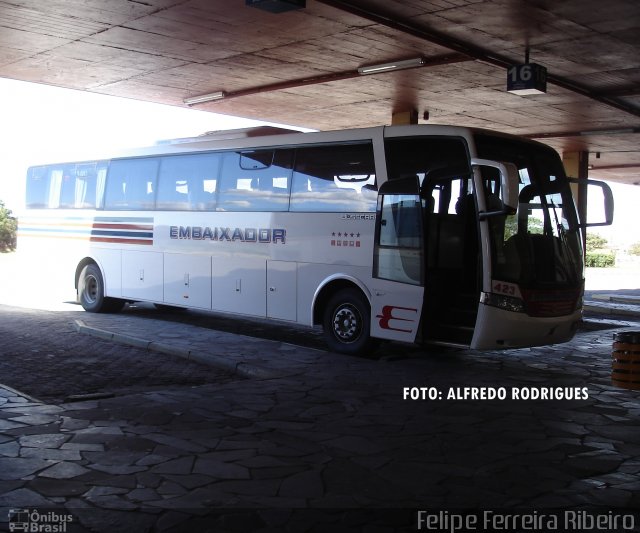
(421, 234)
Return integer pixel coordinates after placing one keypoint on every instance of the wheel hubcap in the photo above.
(346, 323)
(91, 289)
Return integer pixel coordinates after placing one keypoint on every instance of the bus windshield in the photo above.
(539, 246)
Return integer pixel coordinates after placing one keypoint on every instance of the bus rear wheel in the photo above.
(347, 323)
(91, 292)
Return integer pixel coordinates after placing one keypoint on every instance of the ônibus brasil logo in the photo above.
(32, 520)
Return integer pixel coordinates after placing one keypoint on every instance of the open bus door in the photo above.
(398, 264)
(428, 252)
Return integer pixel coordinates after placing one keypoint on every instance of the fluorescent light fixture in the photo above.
(394, 65)
(192, 100)
(620, 131)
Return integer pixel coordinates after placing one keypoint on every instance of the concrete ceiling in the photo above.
(300, 67)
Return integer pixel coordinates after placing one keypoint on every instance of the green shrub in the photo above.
(595, 242)
(8, 228)
(634, 249)
(601, 259)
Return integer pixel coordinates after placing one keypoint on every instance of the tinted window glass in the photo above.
(256, 180)
(131, 184)
(37, 188)
(542, 243)
(334, 178)
(433, 158)
(188, 182)
(442, 165)
(399, 251)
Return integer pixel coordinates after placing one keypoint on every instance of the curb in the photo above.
(611, 310)
(618, 298)
(16, 392)
(245, 370)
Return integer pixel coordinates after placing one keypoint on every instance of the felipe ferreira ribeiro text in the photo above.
(445, 521)
(495, 393)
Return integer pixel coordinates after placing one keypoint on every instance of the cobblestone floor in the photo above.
(211, 452)
(328, 443)
(42, 355)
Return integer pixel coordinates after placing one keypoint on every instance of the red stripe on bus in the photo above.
(121, 241)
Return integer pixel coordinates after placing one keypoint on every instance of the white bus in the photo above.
(420, 233)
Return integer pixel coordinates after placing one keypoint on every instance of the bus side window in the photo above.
(84, 185)
(38, 182)
(70, 186)
(256, 180)
(334, 178)
(67, 188)
(188, 182)
(400, 243)
(131, 184)
(55, 198)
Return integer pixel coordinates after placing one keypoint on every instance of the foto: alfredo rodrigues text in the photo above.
(495, 393)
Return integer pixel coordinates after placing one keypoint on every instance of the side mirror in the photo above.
(509, 179)
(607, 200)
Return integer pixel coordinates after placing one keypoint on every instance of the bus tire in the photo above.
(91, 292)
(347, 323)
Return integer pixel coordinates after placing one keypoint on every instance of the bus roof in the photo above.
(269, 136)
(225, 135)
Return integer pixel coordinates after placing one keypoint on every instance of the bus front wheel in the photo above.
(91, 292)
(347, 323)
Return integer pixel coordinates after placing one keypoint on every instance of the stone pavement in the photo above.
(319, 440)
(41, 354)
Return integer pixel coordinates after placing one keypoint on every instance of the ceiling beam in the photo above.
(615, 167)
(335, 76)
(476, 52)
(585, 133)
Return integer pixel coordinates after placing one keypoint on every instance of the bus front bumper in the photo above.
(500, 329)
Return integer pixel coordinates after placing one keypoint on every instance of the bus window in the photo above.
(79, 188)
(37, 188)
(334, 178)
(432, 157)
(65, 186)
(541, 243)
(400, 242)
(131, 184)
(442, 165)
(70, 186)
(256, 180)
(188, 182)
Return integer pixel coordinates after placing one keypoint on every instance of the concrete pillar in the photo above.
(402, 118)
(576, 165)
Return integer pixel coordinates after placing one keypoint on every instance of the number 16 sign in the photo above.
(526, 79)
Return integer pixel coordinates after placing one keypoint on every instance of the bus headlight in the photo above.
(508, 303)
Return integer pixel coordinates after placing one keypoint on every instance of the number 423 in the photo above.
(505, 288)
